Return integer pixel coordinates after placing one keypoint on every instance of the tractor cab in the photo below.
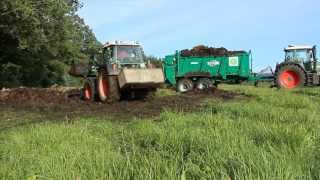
(303, 55)
(122, 54)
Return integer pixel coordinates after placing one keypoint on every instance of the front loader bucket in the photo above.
(141, 78)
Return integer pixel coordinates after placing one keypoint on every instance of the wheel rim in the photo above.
(103, 87)
(289, 79)
(202, 86)
(184, 87)
(87, 92)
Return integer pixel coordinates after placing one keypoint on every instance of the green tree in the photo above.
(157, 62)
(39, 39)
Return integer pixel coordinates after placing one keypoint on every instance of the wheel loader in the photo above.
(300, 68)
(121, 73)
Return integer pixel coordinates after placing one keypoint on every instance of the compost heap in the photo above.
(202, 51)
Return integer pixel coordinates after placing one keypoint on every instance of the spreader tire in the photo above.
(108, 88)
(185, 85)
(204, 84)
(290, 76)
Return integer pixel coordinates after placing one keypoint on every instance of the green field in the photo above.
(270, 134)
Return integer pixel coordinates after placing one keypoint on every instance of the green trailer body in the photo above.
(230, 69)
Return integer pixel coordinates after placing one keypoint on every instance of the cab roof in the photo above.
(298, 47)
(121, 43)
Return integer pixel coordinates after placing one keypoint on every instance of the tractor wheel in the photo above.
(108, 88)
(290, 76)
(185, 85)
(88, 91)
(204, 84)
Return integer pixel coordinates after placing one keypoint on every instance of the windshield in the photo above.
(129, 54)
(298, 55)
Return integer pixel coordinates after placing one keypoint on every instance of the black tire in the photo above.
(185, 85)
(204, 84)
(88, 92)
(114, 89)
(108, 88)
(290, 76)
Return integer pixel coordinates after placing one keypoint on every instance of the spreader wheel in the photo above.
(290, 76)
(108, 88)
(204, 84)
(185, 85)
(88, 91)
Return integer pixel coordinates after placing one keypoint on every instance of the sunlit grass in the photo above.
(274, 134)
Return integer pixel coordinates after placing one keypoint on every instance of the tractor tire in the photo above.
(88, 91)
(204, 84)
(185, 85)
(114, 89)
(108, 88)
(290, 76)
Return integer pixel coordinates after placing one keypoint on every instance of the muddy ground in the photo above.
(64, 104)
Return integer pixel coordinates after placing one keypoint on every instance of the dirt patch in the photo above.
(64, 104)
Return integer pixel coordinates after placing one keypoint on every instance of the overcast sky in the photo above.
(163, 26)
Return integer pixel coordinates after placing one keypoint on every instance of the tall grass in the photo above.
(274, 134)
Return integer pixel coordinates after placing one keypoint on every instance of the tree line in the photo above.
(39, 39)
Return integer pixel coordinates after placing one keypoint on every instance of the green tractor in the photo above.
(300, 68)
(122, 72)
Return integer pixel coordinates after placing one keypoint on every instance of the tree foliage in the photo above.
(157, 62)
(39, 39)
